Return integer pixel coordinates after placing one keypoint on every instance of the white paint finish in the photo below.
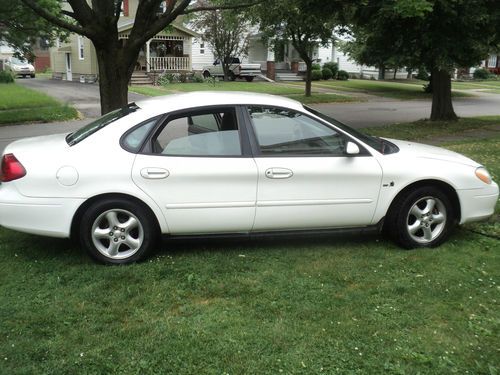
(323, 192)
(69, 74)
(67, 176)
(202, 195)
(209, 195)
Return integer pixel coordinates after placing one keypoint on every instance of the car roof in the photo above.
(175, 102)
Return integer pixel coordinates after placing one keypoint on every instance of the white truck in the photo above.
(236, 70)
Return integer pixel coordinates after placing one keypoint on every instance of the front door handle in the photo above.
(154, 173)
(278, 173)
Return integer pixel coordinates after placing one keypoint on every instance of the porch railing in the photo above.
(169, 63)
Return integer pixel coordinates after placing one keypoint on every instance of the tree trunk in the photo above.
(395, 73)
(381, 72)
(114, 75)
(442, 106)
(308, 77)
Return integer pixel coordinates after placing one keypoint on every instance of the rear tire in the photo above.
(118, 231)
(206, 74)
(423, 217)
(249, 79)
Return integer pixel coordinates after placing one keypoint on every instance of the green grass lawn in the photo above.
(257, 87)
(475, 85)
(19, 104)
(425, 129)
(311, 306)
(404, 90)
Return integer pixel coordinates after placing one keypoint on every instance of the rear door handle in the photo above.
(154, 173)
(278, 173)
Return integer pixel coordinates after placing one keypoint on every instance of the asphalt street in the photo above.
(374, 112)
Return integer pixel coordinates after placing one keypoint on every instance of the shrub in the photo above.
(422, 74)
(327, 73)
(333, 66)
(342, 75)
(316, 75)
(167, 78)
(482, 73)
(316, 67)
(6, 77)
(197, 78)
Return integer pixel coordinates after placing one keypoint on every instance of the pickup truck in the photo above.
(236, 70)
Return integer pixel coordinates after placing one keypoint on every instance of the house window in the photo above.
(80, 48)
(492, 61)
(202, 48)
(163, 7)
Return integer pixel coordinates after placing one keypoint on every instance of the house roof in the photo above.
(127, 24)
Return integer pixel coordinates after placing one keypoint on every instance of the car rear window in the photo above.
(78, 136)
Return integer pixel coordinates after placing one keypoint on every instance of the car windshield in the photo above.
(17, 61)
(86, 131)
(381, 145)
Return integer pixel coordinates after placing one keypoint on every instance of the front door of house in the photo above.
(69, 74)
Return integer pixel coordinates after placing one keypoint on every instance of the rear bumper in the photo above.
(44, 216)
(477, 204)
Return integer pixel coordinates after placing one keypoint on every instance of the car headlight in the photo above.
(15, 68)
(483, 175)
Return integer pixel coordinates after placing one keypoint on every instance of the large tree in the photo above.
(98, 21)
(20, 28)
(226, 30)
(439, 34)
(306, 24)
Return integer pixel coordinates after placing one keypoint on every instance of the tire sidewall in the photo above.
(96, 209)
(401, 216)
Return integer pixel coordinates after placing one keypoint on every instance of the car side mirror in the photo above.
(216, 62)
(352, 148)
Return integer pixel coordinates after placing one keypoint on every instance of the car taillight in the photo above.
(12, 169)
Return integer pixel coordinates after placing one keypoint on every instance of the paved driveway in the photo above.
(84, 97)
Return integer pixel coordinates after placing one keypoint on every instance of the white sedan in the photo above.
(209, 163)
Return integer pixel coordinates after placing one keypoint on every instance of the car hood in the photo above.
(23, 66)
(422, 151)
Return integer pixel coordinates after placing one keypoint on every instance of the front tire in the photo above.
(118, 231)
(424, 217)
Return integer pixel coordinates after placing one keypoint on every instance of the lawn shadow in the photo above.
(177, 246)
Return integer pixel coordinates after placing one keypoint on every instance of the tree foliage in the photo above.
(98, 21)
(439, 34)
(227, 32)
(20, 28)
(305, 23)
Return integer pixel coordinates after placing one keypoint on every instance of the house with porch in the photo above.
(168, 51)
(492, 63)
(282, 62)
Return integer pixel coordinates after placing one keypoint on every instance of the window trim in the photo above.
(81, 48)
(132, 129)
(246, 151)
(256, 146)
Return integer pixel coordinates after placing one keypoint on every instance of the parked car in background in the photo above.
(227, 163)
(20, 67)
(236, 70)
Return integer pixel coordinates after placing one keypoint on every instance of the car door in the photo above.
(197, 166)
(306, 179)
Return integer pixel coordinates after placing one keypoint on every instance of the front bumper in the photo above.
(43, 216)
(477, 204)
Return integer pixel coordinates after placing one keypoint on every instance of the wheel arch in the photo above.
(75, 223)
(441, 185)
